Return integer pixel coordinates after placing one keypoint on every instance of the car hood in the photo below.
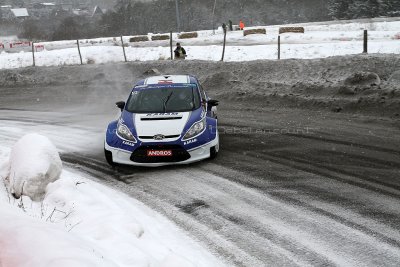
(167, 124)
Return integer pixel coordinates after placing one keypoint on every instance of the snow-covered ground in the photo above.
(318, 41)
(83, 223)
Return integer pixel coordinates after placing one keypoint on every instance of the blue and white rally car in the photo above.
(166, 120)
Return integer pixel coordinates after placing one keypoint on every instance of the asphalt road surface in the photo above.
(289, 187)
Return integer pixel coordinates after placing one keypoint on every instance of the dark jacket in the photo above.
(180, 52)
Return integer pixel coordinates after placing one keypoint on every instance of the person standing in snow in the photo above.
(180, 52)
(230, 25)
(241, 25)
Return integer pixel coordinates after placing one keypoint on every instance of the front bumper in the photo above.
(196, 154)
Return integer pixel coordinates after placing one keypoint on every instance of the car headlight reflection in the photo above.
(195, 130)
(124, 132)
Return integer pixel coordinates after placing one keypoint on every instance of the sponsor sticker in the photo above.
(128, 143)
(161, 114)
(190, 142)
(159, 153)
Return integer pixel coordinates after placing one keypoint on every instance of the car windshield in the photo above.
(164, 99)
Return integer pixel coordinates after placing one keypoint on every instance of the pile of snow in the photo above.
(27, 242)
(82, 223)
(34, 163)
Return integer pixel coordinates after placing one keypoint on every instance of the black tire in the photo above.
(108, 156)
(213, 153)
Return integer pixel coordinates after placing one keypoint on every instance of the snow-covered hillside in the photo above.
(319, 40)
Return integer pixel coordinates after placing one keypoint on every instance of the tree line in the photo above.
(157, 16)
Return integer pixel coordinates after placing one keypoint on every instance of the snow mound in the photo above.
(395, 77)
(80, 222)
(30, 242)
(34, 163)
(363, 79)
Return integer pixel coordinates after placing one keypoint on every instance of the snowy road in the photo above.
(290, 186)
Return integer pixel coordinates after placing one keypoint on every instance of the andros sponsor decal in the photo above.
(159, 153)
(190, 142)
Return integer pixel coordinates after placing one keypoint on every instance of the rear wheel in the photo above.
(109, 158)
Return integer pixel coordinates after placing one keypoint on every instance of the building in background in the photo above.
(39, 10)
(97, 12)
(20, 13)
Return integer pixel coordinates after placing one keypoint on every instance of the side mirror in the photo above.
(213, 102)
(120, 105)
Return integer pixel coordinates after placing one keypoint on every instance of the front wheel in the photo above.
(108, 156)
(213, 152)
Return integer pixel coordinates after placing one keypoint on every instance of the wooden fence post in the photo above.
(79, 50)
(223, 50)
(170, 45)
(365, 42)
(33, 54)
(123, 49)
(279, 47)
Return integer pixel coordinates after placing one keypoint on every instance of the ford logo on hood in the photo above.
(159, 137)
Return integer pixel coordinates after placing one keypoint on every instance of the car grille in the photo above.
(178, 154)
(152, 137)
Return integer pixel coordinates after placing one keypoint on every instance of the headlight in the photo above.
(196, 129)
(124, 132)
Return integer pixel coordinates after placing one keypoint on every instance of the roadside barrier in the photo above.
(254, 31)
(20, 44)
(188, 35)
(291, 29)
(39, 48)
(140, 38)
(160, 37)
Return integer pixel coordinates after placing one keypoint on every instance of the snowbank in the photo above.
(27, 242)
(83, 223)
(34, 163)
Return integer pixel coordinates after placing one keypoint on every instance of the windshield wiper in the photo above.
(166, 101)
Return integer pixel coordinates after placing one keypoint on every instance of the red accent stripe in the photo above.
(165, 82)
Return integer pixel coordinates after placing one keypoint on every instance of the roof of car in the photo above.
(168, 79)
